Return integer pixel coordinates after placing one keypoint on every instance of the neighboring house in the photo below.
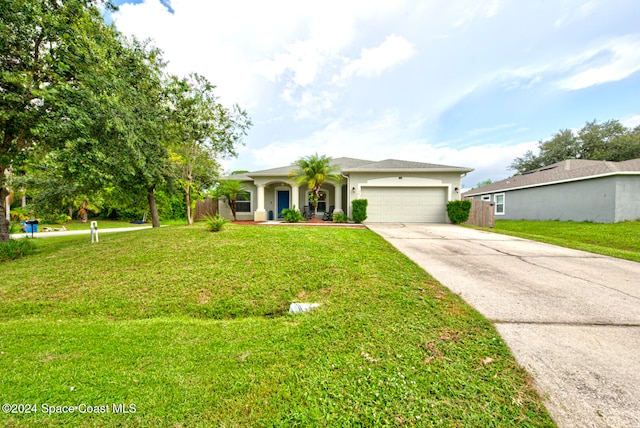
(576, 190)
(396, 191)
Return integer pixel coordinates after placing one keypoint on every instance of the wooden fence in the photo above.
(206, 207)
(482, 213)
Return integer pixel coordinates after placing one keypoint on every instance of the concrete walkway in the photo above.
(571, 318)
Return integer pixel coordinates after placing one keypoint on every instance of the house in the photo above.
(396, 191)
(571, 190)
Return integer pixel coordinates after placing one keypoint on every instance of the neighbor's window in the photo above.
(485, 197)
(243, 202)
(499, 200)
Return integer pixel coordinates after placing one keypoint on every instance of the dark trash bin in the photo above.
(270, 215)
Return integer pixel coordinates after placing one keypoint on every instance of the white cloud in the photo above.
(372, 62)
(622, 60)
(631, 121)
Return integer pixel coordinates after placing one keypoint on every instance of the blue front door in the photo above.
(283, 201)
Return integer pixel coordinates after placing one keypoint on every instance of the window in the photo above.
(499, 200)
(485, 198)
(243, 202)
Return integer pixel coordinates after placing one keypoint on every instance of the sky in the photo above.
(471, 83)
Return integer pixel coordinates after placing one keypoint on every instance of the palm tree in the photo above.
(230, 189)
(314, 171)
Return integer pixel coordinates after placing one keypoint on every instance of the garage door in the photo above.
(406, 204)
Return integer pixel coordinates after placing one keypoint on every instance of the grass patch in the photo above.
(191, 327)
(15, 248)
(621, 240)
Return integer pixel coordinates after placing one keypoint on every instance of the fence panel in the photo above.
(482, 213)
(205, 207)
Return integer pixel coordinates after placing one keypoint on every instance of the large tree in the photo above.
(314, 171)
(46, 46)
(200, 131)
(609, 141)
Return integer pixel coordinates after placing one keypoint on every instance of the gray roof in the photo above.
(568, 170)
(400, 165)
(362, 165)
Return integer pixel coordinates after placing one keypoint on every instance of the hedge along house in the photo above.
(396, 191)
(571, 190)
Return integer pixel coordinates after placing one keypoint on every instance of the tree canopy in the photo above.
(610, 141)
(86, 112)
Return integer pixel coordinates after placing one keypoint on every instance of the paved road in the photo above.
(79, 232)
(571, 318)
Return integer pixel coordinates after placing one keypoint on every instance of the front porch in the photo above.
(274, 196)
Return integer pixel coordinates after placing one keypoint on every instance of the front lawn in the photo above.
(183, 327)
(621, 240)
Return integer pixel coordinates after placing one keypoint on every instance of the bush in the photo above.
(340, 218)
(215, 223)
(458, 211)
(292, 215)
(15, 248)
(56, 218)
(15, 227)
(359, 209)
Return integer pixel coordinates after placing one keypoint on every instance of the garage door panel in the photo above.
(405, 204)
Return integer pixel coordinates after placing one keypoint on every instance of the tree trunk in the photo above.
(4, 223)
(188, 201)
(70, 210)
(155, 220)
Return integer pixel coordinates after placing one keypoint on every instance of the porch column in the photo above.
(295, 197)
(338, 199)
(261, 213)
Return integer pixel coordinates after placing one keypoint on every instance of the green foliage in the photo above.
(215, 223)
(21, 214)
(15, 227)
(484, 183)
(199, 131)
(340, 218)
(314, 171)
(609, 141)
(15, 248)
(56, 218)
(229, 190)
(359, 210)
(458, 211)
(292, 215)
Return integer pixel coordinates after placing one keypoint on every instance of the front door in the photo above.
(283, 201)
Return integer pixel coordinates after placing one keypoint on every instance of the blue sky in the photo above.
(466, 82)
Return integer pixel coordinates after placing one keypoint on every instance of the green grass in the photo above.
(192, 328)
(621, 240)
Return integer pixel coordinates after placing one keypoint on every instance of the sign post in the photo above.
(94, 232)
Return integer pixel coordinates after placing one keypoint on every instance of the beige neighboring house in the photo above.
(396, 191)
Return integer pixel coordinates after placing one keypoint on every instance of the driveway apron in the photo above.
(571, 318)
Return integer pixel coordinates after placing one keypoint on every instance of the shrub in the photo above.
(458, 211)
(15, 227)
(57, 218)
(215, 223)
(359, 209)
(340, 218)
(15, 248)
(292, 215)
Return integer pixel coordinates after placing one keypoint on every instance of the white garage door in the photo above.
(406, 204)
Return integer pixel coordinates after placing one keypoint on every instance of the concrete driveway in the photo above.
(571, 318)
